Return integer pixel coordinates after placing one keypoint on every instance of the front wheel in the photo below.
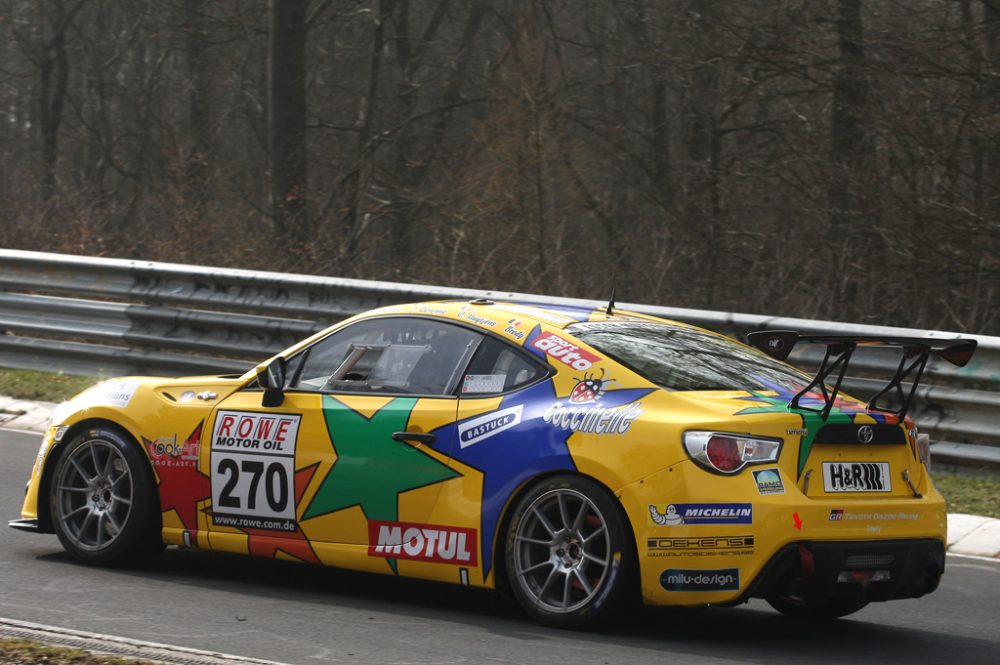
(569, 555)
(103, 500)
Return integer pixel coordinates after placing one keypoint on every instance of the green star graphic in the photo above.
(372, 469)
(811, 421)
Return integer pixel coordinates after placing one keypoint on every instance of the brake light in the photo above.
(728, 453)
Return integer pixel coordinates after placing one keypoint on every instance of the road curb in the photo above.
(121, 646)
(972, 535)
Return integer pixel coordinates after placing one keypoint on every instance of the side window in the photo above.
(498, 367)
(401, 356)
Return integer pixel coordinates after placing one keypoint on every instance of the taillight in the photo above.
(728, 453)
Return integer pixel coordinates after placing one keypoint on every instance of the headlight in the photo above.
(722, 452)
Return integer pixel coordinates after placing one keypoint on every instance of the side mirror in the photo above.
(272, 380)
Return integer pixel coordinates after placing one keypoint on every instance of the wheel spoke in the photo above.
(70, 514)
(536, 567)
(93, 457)
(67, 488)
(548, 581)
(590, 557)
(544, 521)
(578, 520)
(109, 465)
(115, 524)
(123, 474)
(100, 531)
(562, 511)
(566, 587)
(83, 527)
(121, 499)
(79, 470)
(533, 541)
(593, 535)
(583, 580)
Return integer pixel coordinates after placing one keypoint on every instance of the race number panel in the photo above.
(253, 470)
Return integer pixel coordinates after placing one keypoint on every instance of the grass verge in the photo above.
(976, 496)
(14, 651)
(42, 386)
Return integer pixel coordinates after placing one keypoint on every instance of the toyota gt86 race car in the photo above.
(575, 457)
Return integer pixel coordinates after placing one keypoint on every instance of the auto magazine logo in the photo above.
(768, 482)
(856, 477)
(699, 546)
(565, 351)
(422, 542)
(483, 427)
(675, 514)
(252, 461)
(723, 579)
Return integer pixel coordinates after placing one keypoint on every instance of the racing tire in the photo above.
(836, 607)
(569, 555)
(103, 499)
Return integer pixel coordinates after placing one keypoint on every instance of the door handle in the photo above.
(414, 436)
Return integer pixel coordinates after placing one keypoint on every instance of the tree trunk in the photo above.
(287, 119)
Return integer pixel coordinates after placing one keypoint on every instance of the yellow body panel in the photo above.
(341, 491)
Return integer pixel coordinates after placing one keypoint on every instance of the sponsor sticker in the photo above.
(564, 351)
(117, 393)
(514, 329)
(594, 419)
(856, 477)
(841, 515)
(590, 388)
(252, 461)
(797, 432)
(699, 546)
(470, 316)
(676, 514)
(483, 383)
(422, 542)
(167, 451)
(483, 427)
(722, 579)
(768, 481)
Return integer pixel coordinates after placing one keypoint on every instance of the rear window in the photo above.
(684, 359)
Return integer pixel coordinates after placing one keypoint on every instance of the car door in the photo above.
(354, 446)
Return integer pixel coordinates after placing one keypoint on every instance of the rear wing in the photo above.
(839, 348)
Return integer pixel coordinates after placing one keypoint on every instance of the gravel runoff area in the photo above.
(970, 535)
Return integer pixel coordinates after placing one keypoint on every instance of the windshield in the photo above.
(684, 359)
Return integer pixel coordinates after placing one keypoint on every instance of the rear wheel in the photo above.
(569, 558)
(102, 499)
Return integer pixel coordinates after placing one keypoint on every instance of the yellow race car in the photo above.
(575, 457)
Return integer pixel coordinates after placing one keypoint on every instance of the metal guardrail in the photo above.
(110, 316)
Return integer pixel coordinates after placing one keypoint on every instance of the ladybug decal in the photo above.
(589, 388)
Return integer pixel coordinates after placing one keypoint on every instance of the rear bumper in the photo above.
(878, 569)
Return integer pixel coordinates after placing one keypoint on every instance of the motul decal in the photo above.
(422, 542)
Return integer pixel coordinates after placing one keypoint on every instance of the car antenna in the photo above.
(611, 303)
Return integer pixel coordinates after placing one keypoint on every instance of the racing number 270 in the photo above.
(275, 484)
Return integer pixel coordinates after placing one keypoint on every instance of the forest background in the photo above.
(835, 159)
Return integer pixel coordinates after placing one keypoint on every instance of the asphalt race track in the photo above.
(300, 614)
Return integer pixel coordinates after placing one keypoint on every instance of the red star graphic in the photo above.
(267, 543)
(181, 485)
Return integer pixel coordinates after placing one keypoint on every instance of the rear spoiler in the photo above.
(839, 348)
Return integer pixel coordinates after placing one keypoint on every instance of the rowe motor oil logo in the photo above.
(422, 542)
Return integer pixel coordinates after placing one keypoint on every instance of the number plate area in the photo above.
(856, 477)
(253, 470)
